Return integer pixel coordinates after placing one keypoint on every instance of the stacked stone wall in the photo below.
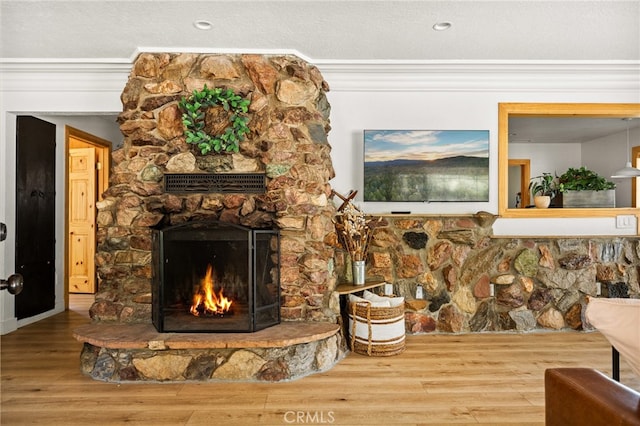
(474, 282)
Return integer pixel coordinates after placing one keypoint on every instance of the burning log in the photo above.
(205, 300)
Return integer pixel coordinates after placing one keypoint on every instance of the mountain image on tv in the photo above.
(426, 165)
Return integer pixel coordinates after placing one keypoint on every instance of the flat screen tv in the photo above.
(426, 165)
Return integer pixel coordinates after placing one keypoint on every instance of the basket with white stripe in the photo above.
(376, 330)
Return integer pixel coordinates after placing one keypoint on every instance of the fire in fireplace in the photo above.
(214, 277)
(205, 300)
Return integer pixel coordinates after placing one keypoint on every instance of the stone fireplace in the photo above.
(288, 147)
(215, 277)
(289, 122)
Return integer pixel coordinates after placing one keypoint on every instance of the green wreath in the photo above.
(194, 108)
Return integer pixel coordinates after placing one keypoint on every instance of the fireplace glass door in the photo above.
(215, 277)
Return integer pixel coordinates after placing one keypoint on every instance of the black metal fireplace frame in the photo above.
(158, 289)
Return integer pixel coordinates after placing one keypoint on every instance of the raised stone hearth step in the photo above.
(145, 336)
(137, 352)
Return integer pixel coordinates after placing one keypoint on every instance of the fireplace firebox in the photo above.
(213, 276)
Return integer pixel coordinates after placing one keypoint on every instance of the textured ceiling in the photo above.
(567, 130)
(323, 30)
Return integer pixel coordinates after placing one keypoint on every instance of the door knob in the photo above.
(13, 284)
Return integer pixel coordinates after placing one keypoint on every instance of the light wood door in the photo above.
(82, 213)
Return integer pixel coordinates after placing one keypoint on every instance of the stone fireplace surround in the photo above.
(289, 122)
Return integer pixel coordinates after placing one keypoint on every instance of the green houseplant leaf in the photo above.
(583, 179)
(545, 184)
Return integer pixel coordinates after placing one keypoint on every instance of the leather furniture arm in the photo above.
(584, 396)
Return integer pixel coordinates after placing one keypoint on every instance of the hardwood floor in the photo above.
(439, 379)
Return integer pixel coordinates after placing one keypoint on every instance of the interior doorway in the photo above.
(86, 179)
(519, 175)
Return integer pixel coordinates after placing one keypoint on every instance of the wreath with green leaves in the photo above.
(194, 108)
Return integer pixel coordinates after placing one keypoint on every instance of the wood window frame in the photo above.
(597, 110)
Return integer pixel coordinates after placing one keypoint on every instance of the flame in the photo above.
(205, 301)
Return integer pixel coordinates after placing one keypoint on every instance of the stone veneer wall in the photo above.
(539, 283)
(289, 122)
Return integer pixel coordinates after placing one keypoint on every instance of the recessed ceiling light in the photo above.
(202, 24)
(442, 26)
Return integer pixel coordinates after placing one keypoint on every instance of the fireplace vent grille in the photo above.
(244, 183)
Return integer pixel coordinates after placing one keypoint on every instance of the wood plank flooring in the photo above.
(439, 379)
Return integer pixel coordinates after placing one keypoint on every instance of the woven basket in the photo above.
(376, 331)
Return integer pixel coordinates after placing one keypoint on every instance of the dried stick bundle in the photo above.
(353, 229)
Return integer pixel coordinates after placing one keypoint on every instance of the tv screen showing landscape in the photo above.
(426, 165)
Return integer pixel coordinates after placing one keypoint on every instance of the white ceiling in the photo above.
(326, 30)
(567, 130)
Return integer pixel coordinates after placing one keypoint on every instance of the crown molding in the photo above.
(457, 76)
(66, 75)
(484, 76)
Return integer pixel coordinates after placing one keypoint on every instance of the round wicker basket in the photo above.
(376, 331)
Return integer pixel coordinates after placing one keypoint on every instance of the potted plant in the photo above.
(582, 187)
(543, 188)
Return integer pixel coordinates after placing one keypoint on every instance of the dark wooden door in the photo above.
(35, 215)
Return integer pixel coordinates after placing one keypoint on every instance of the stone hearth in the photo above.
(137, 352)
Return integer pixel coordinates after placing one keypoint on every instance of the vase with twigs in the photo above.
(354, 233)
